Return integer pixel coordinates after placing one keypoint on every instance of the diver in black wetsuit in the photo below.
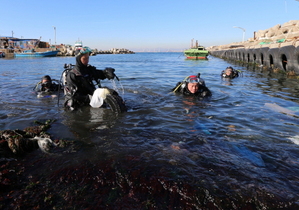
(229, 72)
(79, 87)
(47, 85)
(193, 86)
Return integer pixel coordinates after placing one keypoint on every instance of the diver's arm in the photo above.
(107, 73)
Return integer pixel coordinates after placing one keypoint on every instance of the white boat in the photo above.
(78, 44)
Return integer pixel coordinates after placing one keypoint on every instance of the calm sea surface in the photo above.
(244, 140)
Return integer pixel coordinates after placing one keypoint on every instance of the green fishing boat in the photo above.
(196, 52)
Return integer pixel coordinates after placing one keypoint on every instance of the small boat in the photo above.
(196, 52)
(2, 54)
(78, 44)
(33, 53)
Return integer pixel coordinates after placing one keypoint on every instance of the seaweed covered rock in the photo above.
(19, 142)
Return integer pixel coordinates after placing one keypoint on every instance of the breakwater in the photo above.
(273, 48)
(69, 51)
(66, 50)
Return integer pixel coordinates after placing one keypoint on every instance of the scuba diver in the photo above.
(78, 80)
(229, 72)
(47, 86)
(193, 86)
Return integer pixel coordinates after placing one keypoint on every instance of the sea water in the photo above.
(238, 141)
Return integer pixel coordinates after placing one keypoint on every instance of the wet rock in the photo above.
(19, 142)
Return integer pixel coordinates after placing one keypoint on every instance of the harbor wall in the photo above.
(276, 50)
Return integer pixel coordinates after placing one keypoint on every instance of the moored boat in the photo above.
(78, 43)
(196, 52)
(33, 53)
(2, 54)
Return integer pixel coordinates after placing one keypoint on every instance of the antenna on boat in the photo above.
(192, 43)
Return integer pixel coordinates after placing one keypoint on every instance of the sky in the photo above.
(138, 25)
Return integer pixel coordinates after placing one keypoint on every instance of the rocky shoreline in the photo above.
(67, 50)
(70, 51)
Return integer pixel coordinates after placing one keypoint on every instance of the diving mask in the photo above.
(82, 51)
(193, 79)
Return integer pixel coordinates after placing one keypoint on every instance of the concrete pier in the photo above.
(274, 48)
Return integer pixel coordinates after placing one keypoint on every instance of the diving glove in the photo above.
(109, 73)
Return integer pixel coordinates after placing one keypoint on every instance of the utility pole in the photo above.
(55, 34)
(243, 29)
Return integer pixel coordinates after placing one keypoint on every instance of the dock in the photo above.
(274, 48)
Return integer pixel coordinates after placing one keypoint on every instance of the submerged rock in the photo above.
(14, 143)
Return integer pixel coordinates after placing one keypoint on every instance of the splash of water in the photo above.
(118, 88)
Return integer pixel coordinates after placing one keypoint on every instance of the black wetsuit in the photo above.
(231, 76)
(203, 91)
(79, 84)
(53, 87)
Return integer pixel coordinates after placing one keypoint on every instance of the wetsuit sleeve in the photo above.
(55, 87)
(222, 74)
(206, 92)
(178, 87)
(96, 73)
